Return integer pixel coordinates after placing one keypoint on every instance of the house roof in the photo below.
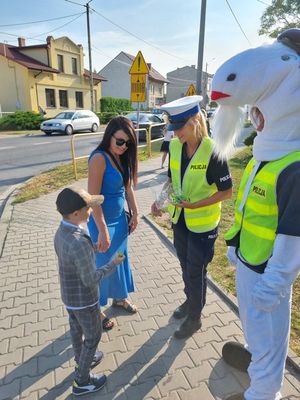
(13, 53)
(96, 77)
(153, 73)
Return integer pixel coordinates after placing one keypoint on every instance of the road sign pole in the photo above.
(138, 120)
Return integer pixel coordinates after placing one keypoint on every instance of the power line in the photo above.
(59, 27)
(42, 34)
(262, 2)
(37, 22)
(137, 37)
(237, 21)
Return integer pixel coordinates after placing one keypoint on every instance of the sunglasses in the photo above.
(120, 142)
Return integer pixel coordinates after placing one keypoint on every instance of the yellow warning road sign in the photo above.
(191, 90)
(139, 65)
(138, 88)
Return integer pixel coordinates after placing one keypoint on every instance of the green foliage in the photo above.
(279, 16)
(115, 105)
(213, 104)
(247, 124)
(21, 120)
(105, 117)
(249, 140)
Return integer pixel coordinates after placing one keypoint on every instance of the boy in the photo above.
(79, 281)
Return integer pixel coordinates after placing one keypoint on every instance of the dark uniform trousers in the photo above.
(194, 251)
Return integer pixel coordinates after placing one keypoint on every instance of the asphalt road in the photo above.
(25, 156)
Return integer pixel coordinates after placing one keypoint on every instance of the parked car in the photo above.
(71, 121)
(158, 112)
(145, 121)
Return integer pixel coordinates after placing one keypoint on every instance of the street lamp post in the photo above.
(206, 78)
(90, 54)
(201, 47)
(87, 6)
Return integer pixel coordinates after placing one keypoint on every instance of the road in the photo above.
(25, 156)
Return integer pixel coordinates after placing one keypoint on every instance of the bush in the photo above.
(21, 120)
(115, 105)
(105, 117)
(249, 140)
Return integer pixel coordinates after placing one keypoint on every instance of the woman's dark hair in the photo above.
(128, 158)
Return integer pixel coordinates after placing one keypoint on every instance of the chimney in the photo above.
(21, 42)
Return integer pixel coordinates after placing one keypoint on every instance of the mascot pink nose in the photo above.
(218, 95)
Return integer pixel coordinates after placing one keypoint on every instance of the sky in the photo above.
(165, 31)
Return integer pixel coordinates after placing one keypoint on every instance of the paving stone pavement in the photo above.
(142, 360)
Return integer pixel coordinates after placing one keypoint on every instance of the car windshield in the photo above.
(65, 115)
(133, 117)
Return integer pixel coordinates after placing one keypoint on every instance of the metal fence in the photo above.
(148, 143)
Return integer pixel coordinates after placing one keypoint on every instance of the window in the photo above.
(152, 88)
(63, 98)
(74, 66)
(50, 97)
(60, 63)
(79, 99)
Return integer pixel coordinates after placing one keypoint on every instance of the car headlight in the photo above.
(57, 124)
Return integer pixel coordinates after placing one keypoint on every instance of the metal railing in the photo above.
(148, 134)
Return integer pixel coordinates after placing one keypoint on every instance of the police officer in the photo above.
(197, 182)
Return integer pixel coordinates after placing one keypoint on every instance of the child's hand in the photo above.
(118, 259)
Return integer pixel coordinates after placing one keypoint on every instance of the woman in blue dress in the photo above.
(113, 172)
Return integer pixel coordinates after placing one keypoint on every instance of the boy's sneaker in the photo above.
(94, 383)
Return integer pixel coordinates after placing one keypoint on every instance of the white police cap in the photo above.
(179, 111)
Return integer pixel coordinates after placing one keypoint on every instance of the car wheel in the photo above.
(48, 133)
(94, 128)
(68, 130)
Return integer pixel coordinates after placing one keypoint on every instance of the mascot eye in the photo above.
(287, 57)
(231, 77)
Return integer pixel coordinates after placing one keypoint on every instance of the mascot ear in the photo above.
(291, 38)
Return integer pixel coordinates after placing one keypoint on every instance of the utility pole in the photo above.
(87, 6)
(201, 47)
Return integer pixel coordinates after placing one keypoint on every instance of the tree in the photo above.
(280, 15)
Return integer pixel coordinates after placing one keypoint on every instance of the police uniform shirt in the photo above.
(288, 194)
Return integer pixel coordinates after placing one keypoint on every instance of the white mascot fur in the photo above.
(264, 242)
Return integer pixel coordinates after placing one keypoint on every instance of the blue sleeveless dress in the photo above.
(120, 283)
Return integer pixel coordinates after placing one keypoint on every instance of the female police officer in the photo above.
(199, 183)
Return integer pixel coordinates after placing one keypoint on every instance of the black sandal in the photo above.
(107, 324)
(130, 308)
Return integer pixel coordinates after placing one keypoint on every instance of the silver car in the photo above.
(71, 121)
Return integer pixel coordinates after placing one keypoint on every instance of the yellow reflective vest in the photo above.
(194, 187)
(255, 226)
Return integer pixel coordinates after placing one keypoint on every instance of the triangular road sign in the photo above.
(191, 90)
(139, 65)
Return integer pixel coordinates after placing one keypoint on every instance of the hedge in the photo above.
(21, 120)
(116, 105)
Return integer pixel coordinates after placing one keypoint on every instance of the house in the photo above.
(118, 81)
(181, 78)
(49, 77)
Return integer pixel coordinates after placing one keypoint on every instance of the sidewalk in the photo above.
(142, 360)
